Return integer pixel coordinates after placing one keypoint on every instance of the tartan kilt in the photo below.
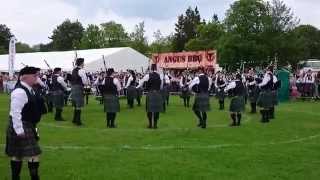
(77, 96)
(265, 99)
(220, 95)
(154, 102)
(253, 94)
(201, 102)
(111, 103)
(22, 147)
(165, 92)
(139, 92)
(237, 104)
(185, 94)
(49, 97)
(58, 99)
(308, 88)
(275, 97)
(131, 92)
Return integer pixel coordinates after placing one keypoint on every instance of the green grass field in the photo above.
(286, 148)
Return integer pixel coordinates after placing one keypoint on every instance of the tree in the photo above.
(92, 38)
(5, 36)
(307, 42)
(208, 36)
(161, 44)
(113, 35)
(186, 28)
(67, 36)
(245, 22)
(23, 48)
(138, 39)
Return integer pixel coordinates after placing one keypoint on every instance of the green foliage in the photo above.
(23, 48)
(186, 28)
(161, 44)
(113, 35)
(5, 36)
(138, 39)
(67, 36)
(92, 37)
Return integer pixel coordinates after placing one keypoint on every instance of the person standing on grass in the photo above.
(25, 113)
(111, 93)
(139, 90)
(220, 84)
(131, 88)
(154, 99)
(78, 81)
(165, 89)
(200, 85)
(58, 88)
(253, 90)
(185, 92)
(265, 99)
(237, 103)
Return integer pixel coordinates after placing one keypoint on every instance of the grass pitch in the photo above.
(286, 148)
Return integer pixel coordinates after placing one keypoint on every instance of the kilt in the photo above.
(308, 89)
(253, 94)
(275, 97)
(131, 92)
(237, 104)
(154, 102)
(22, 147)
(185, 93)
(220, 94)
(58, 98)
(49, 97)
(265, 99)
(111, 103)
(201, 102)
(165, 92)
(77, 96)
(139, 92)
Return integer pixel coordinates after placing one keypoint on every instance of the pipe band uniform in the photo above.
(78, 81)
(25, 114)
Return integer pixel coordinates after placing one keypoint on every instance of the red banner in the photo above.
(186, 60)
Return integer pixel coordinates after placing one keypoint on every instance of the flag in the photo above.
(12, 56)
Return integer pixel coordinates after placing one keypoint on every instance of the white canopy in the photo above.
(117, 58)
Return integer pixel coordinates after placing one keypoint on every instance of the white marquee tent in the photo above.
(117, 58)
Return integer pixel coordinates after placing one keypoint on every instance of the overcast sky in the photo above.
(32, 21)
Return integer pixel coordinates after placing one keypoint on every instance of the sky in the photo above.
(32, 21)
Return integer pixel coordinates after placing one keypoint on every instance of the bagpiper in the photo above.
(165, 89)
(58, 89)
(237, 103)
(253, 90)
(111, 89)
(154, 99)
(265, 99)
(220, 84)
(185, 92)
(200, 85)
(25, 113)
(78, 81)
(131, 88)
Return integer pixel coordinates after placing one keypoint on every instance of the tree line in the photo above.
(253, 31)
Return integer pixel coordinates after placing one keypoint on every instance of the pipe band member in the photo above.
(25, 113)
(78, 81)
(154, 99)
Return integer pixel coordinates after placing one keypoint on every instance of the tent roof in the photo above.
(118, 58)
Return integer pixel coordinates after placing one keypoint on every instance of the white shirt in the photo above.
(130, 79)
(146, 78)
(41, 83)
(82, 74)
(266, 79)
(61, 81)
(231, 85)
(115, 82)
(18, 99)
(306, 80)
(196, 81)
(187, 81)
